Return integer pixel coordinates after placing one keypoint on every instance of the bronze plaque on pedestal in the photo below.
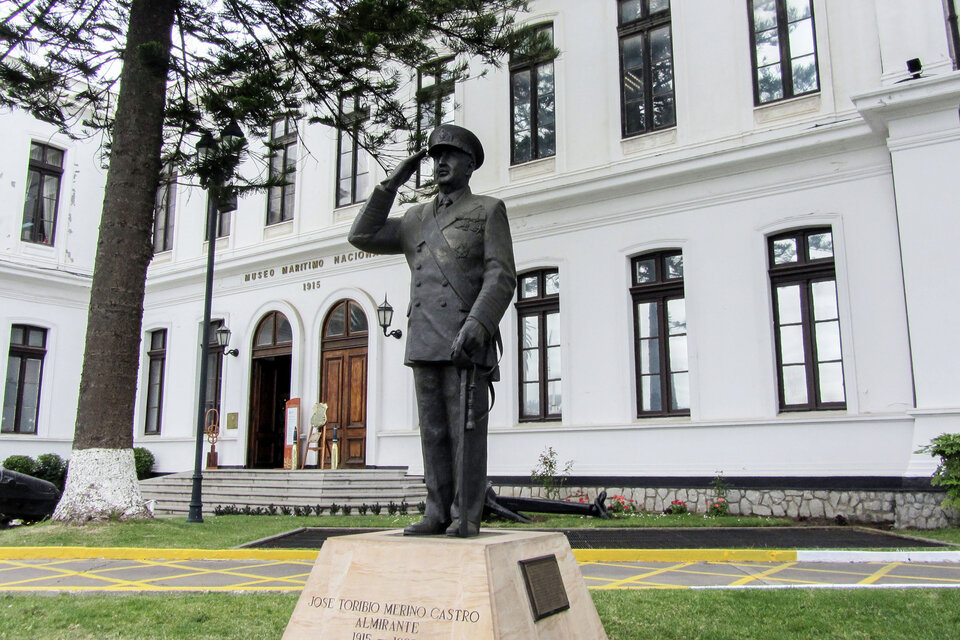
(544, 586)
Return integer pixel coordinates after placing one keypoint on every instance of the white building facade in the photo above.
(734, 226)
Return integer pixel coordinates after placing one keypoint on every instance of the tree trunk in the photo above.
(108, 383)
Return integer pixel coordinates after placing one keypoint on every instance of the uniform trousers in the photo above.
(438, 399)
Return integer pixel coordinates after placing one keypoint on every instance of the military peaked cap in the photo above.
(450, 135)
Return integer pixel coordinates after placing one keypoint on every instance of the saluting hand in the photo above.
(471, 339)
(404, 170)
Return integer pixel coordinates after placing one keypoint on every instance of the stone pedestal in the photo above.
(500, 585)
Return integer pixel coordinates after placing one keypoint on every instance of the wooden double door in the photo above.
(343, 383)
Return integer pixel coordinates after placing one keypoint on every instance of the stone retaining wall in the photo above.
(902, 509)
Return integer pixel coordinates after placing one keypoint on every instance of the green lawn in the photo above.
(219, 532)
(222, 532)
(914, 614)
(917, 614)
(215, 532)
(946, 535)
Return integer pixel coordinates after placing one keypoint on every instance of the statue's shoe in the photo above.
(454, 529)
(426, 527)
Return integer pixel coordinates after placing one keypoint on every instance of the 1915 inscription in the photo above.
(394, 617)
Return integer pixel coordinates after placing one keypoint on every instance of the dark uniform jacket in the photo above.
(461, 266)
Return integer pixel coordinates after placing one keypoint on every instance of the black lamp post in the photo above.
(385, 317)
(216, 162)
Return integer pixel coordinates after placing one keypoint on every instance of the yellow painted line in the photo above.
(762, 574)
(879, 573)
(56, 573)
(684, 555)
(237, 572)
(925, 578)
(641, 578)
(133, 553)
(641, 585)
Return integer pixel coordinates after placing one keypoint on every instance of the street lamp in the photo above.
(216, 162)
(385, 317)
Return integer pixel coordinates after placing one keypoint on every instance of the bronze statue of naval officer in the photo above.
(460, 255)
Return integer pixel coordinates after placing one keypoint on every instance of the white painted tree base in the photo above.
(101, 485)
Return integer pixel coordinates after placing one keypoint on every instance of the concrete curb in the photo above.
(821, 555)
(582, 555)
(684, 555)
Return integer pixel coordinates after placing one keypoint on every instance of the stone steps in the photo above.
(309, 487)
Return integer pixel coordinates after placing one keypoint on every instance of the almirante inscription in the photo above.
(374, 617)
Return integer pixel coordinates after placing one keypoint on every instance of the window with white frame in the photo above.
(660, 334)
(647, 95)
(435, 106)
(45, 171)
(353, 173)
(156, 357)
(538, 319)
(21, 391)
(163, 211)
(283, 167)
(783, 48)
(806, 320)
(532, 98)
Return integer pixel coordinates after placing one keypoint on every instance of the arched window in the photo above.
(806, 320)
(273, 336)
(346, 321)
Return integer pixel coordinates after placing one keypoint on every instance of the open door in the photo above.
(269, 391)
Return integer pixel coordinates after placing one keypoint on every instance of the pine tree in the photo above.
(151, 76)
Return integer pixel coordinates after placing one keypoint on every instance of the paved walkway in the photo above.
(112, 570)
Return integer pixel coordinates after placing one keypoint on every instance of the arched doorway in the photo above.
(343, 381)
(269, 391)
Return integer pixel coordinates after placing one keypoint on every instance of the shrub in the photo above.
(143, 460)
(718, 507)
(334, 509)
(52, 468)
(621, 505)
(677, 507)
(720, 486)
(362, 509)
(376, 508)
(548, 474)
(346, 509)
(947, 475)
(21, 464)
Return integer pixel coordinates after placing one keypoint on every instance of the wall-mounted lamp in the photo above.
(223, 339)
(915, 67)
(385, 316)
